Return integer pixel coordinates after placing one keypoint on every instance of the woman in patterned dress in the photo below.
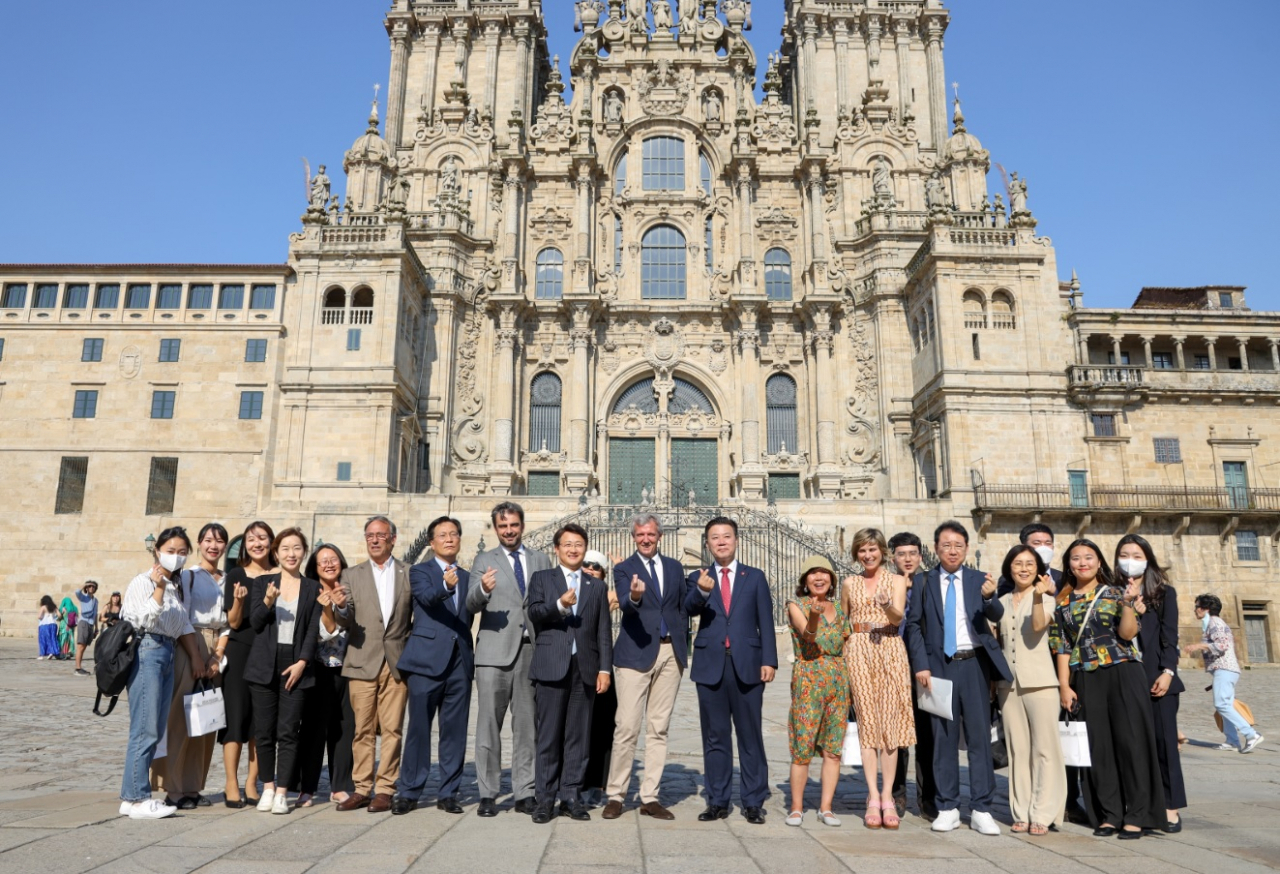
(819, 686)
(879, 673)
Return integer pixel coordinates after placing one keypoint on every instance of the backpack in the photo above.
(113, 656)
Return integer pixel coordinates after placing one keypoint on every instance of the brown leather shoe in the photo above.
(612, 810)
(381, 803)
(656, 810)
(354, 801)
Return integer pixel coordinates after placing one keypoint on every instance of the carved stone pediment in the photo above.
(663, 90)
(552, 223)
(777, 224)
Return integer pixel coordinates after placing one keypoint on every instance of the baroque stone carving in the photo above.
(130, 361)
(777, 224)
(665, 346)
(862, 406)
(663, 90)
(552, 223)
(719, 358)
(469, 443)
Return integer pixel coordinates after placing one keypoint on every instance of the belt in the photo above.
(666, 639)
(964, 654)
(872, 628)
(156, 635)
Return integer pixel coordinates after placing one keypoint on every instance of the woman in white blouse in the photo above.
(152, 606)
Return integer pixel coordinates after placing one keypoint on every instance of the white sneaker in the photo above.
(266, 802)
(795, 817)
(1251, 744)
(1227, 748)
(152, 809)
(983, 823)
(948, 820)
(281, 803)
(126, 808)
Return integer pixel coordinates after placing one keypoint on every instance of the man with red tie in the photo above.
(735, 654)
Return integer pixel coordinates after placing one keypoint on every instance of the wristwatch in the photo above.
(1171, 673)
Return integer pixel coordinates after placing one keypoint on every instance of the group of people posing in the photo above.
(319, 659)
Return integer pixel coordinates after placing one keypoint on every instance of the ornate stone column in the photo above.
(810, 60)
(511, 207)
(841, 29)
(902, 49)
(396, 87)
(503, 471)
(578, 473)
(1243, 344)
(582, 259)
(523, 83)
(817, 227)
(431, 50)
(751, 474)
(746, 237)
(1275, 353)
(828, 478)
(1146, 351)
(1212, 343)
(461, 33)
(1082, 347)
(1178, 353)
(492, 32)
(937, 87)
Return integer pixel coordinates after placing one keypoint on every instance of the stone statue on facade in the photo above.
(662, 18)
(1017, 195)
(881, 183)
(613, 108)
(638, 16)
(688, 16)
(397, 195)
(449, 178)
(712, 107)
(320, 191)
(935, 196)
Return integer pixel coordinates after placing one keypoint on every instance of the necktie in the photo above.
(519, 569)
(573, 584)
(653, 575)
(454, 600)
(949, 618)
(727, 596)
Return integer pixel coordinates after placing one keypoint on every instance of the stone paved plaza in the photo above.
(60, 774)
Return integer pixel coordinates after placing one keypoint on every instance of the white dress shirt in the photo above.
(964, 639)
(655, 572)
(203, 596)
(384, 580)
(140, 609)
(718, 576)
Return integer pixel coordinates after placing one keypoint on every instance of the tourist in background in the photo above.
(1029, 704)
(1156, 603)
(182, 772)
(285, 624)
(328, 724)
(160, 621)
(819, 686)
(907, 553)
(256, 563)
(874, 603)
(1218, 649)
(47, 626)
(1100, 675)
(87, 625)
(111, 613)
(68, 619)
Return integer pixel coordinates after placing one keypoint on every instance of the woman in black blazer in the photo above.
(286, 626)
(1156, 604)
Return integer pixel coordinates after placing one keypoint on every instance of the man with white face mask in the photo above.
(1040, 538)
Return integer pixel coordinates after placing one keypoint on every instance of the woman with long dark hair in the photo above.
(1156, 603)
(1100, 674)
(256, 562)
(47, 620)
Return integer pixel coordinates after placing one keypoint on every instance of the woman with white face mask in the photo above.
(1156, 603)
(153, 607)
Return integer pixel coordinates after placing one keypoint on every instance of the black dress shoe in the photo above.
(1104, 831)
(754, 815)
(713, 812)
(579, 812)
(544, 813)
(1076, 815)
(400, 806)
(487, 808)
(565, 808)
(526, 806)
(1126, 835)
(449, 805)
(1172, 828)
(236, 804)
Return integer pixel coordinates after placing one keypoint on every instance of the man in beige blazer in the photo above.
(377, 611)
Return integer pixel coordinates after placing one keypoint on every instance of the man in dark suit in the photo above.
(905, 550)
(735, 655)
(438, 664)
(949, 637)
(1040, 538)
(571, 665)
(504, 649)
(649, 658)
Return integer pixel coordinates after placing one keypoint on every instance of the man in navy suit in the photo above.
(649, 658)
(949, 637)
(735, 655)
(438, 663)
(569, 609)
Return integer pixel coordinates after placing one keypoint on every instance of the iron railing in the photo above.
(1041, 496)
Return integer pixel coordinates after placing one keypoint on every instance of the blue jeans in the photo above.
(150, 690)
(1234, 725)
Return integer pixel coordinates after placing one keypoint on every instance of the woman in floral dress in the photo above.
(819, 686)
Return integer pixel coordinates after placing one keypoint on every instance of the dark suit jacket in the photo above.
(1004, 586)
(638, 640)
(439, 627)
(925, 632)
(1156, 627)
(261, 665)
(590, 628)
(748, 625)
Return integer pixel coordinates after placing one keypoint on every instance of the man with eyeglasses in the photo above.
(949, 637)
(374, 606)
(907, 553)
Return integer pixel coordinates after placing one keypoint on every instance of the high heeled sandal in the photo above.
(872, 818)
(890, 818)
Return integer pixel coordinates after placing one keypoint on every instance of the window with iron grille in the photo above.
(170, 350)
(251, 405)
(137, 297)
(255, 351)
(162, 404)
(662, 264)
(169, 297)
(777, 274)
(71, 481)
(1104, 426)
(231, 297)
(1168, 450)
(200, 297)
(780, 413)
(86, 405)
(663, 164)
(163, 486)
(1247, 546)
(784, 486)
(546, 393)
(543, 483)
(91, 350)
(46, 297)
(549, 275)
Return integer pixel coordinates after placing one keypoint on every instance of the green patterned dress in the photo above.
(819, 688)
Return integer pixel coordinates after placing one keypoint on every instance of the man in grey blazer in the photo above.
(504, 648)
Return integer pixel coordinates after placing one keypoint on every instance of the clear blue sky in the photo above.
(152, 131)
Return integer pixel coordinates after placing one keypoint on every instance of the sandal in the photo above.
(1018, 827)
(891, 820)
(872, 818)
(1037, 829)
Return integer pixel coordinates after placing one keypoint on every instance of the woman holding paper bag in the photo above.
(1100, 672)
(819, 686)
(1029, 705)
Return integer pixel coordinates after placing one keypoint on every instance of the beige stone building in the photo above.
(811, 310)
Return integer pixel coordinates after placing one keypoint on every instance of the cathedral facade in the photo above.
(662, 293)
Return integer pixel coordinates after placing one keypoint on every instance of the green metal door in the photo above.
(631, 468)
(694, 471)
(1235, 478)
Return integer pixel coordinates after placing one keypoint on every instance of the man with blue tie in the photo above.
(949, 637)
(571, 664)
(438, 664)
(649, 657)
(735, 655)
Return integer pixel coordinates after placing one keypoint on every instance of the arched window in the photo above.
(663, 160)
(777, 274)
(620, 174)
(1002, 314)
(710, 246)
(544, 413)
(684, 397)
(334, 307)
(704, 166)
(975, 309)
(780, 413)
(662, 264)
(548, 278)
(362, 306)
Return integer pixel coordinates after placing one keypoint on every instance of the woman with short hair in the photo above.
(1218, 647)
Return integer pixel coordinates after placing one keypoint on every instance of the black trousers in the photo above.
(563, 710)
(277, 723)
(328, 726)
(926, 789)
(603, 722)
(1123, 787)
(1164, 715)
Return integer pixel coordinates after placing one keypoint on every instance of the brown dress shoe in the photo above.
(612, 810)
(656, 810)
(381, 803)
(354, 801)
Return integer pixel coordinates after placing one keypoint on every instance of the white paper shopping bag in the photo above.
(206, 712)
(852, 755)
(1075, 744)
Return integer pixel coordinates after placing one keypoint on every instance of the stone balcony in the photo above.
(1127, 383)
(1127, 499)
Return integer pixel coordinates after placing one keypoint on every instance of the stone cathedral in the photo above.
(820, 307)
